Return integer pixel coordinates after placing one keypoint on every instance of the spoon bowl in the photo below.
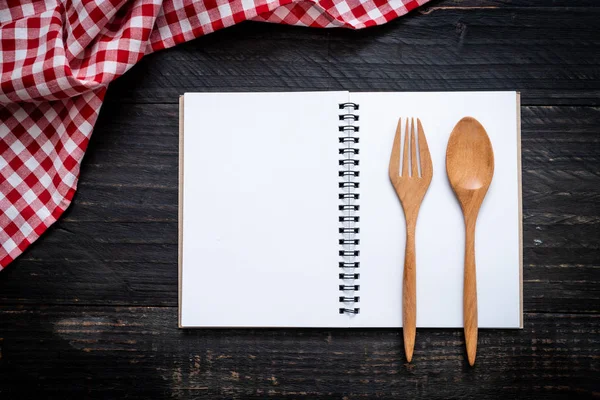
(469, 161)
(470, 168)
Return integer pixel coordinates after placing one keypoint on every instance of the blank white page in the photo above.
(440, 229)
(260, 210)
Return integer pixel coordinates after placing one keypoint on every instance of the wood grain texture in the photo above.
(135, 352)
(549, 54)
(89, 311)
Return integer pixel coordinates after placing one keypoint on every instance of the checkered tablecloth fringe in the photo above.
(57, 58)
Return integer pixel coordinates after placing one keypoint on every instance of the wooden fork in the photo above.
(411, 186)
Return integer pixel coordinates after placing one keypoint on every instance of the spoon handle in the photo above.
(470, 295)
(409, 293)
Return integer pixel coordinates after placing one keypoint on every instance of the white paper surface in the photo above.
(260, 211)
(440, 228)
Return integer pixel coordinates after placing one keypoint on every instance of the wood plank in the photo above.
(118, 352)
(575, 234)
(555, 280)
(563, 138)
(117, 243)
(551, 55)
(97, 203)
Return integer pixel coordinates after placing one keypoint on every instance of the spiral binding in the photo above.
(349, 208)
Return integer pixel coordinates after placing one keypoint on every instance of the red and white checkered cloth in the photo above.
(57, 58)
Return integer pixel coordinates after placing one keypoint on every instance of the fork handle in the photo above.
(409, 293)
(470, 295)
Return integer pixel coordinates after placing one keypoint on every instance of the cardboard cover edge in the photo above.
(520, 179)
(180, 216)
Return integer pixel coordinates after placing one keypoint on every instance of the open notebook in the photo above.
(260, 201)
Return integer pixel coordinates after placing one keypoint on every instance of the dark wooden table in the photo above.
(90, 310)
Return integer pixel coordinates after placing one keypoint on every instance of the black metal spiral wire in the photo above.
(348, 208)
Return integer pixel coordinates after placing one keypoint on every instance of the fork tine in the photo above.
(405, 153)
(413, 149)
(395, 157)
(426, 165)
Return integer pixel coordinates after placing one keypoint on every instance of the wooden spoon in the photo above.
(470, 168)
